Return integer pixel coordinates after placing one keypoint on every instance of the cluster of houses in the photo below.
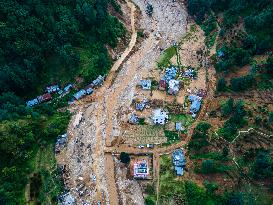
(168, 81)
(47, 96)
(88, 90)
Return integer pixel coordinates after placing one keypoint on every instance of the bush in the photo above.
(125, 158)
(149, 201)
(242, 83)
(208, 166)
(221, 84)
(227, 107)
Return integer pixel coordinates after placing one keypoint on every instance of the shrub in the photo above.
(125, 157)
(221, 85)
(208, 166)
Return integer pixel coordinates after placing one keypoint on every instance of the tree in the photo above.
(270, 117)
(227, 107)
(125, 158)
(208, 166)
(225, 152)
(221, 84)
(235, 199)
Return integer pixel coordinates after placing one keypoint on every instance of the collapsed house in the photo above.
(61, 143)
(159, 117)
(141, 105)
(133, 119)
(195, 104)
(66, 199)
(140, 169)
(174, 87)
(179, 161)
(146, 84)
(190, 73)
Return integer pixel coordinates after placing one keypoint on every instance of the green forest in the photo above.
(44, 42)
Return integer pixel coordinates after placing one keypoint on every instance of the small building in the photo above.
(141, 106)
(179, 161)
(61, 143)
(170, 73)
(190, 73)
(220, 54)
(133, 119)
(162, 84)
(140, 169)
(179, 126)
(98, 81)
(195, 103)
(32, 102)
(68, 88)
(146, 84)
(174, 86)
(44, 98)
(159, 117)
(52, 89)
(78, 95)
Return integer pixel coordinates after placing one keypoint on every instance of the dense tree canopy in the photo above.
(32, 31)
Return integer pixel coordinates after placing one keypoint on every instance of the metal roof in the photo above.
(79, 94)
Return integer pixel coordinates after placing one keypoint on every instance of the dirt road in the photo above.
(91, 172)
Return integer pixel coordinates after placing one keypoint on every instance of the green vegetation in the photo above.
(237, 119)
(246, 30)
(151, 198)
(177, 191)
(165, 58)
(21, 139)
(186, 120)
(125, 158)
(172, 136)
(199, 138)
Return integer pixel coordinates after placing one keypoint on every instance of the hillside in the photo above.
(45, 43)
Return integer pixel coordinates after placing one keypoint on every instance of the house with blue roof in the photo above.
(78, 95)
(196, 102)
(146, 84)
(179, 161)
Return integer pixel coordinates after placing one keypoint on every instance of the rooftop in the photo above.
(79, 94)
(159, 116)
(146, 84)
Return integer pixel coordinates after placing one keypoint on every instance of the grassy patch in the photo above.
(210, 40)
(186, 120)
(165, 58)
(172, 136)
